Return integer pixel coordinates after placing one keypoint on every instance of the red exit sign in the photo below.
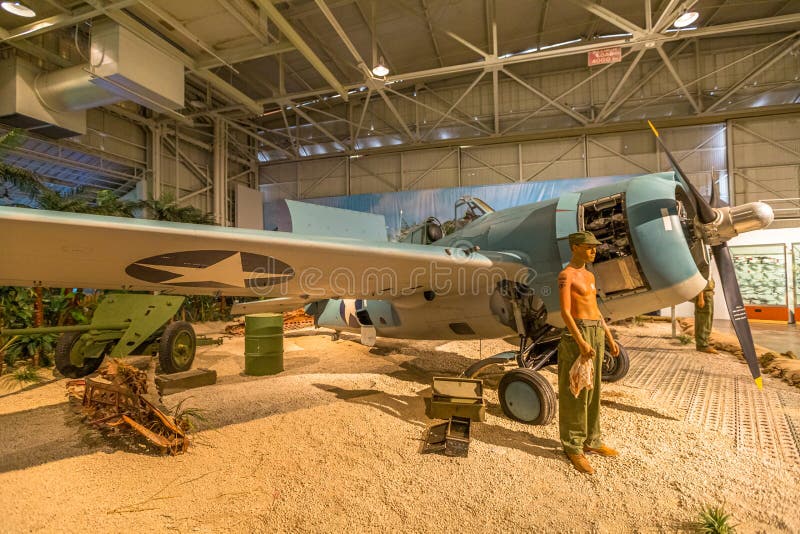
(605, 56)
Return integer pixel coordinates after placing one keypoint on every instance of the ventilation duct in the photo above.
(123, 67)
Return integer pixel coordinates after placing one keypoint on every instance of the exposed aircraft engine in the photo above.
(517, 307)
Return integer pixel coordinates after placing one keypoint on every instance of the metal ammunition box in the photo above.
(457, 437)
(457, 397)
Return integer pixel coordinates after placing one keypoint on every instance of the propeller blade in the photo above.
(715, 200)
(733, 299)
(703, 209)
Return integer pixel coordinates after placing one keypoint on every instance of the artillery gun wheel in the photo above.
(68, 343)
(527, 397)
(615, 369)
(177, 347)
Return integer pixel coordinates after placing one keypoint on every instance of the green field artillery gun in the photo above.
(123, 324)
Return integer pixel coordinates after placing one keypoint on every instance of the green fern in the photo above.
(715, 520)
(188, 417)
(684, 339)
(27, 374)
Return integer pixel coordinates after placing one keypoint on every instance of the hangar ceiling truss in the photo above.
(294, 78)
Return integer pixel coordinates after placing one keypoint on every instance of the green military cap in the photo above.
(583, 238)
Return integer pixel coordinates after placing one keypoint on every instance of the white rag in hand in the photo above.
(581, 375)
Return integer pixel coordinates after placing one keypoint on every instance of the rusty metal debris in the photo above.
(115, 400)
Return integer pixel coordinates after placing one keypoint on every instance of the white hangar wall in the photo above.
(764, 154)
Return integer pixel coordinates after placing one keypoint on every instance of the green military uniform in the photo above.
(704, 317)
(579, 417)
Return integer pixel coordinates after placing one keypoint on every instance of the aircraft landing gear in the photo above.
(525, 395)
(615, 369)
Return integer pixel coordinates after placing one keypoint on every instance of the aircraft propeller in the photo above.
(707, 215)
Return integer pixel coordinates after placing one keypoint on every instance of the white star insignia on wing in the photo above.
(228, 271)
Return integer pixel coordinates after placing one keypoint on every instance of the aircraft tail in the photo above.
(312, 219)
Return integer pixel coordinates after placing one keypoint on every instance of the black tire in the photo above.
(527, 397)
(67, 343)
(615, 369)
(177, 347)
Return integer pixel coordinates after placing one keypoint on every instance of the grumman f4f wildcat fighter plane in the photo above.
(495, 277)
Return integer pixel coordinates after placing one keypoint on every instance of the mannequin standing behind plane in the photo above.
(584, 337)
(704, 318)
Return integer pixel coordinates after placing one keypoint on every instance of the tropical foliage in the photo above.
(62, 306)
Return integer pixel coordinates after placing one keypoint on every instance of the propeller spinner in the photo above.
(718, 225)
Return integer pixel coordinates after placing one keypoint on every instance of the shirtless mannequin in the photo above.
(586, 337)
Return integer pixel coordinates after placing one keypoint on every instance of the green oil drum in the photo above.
(263, 344)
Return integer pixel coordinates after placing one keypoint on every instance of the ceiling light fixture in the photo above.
(686, 19)
(18, 8)
(380, 69)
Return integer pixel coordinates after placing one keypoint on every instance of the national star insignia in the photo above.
(227, 271)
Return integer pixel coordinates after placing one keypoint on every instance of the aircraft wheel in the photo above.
(67, 344)
(527, 397)
(177, 347)
(615, 369)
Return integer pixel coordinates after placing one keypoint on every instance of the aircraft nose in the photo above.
(752, 216)
(731, 222)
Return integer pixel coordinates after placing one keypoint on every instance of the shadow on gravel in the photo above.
(42, 435)
(10, 386)
(411, 409)
(614, 405)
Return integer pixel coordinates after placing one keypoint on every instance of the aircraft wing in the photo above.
(57, 249)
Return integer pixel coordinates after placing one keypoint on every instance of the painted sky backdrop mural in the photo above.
(407, 208)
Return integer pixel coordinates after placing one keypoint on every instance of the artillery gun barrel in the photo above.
(62, 329)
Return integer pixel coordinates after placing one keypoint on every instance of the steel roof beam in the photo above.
(430, 30)
(643, 81)
(562, 95)
(609, 16)
(245, 53)
(60, 21)
(613, 95)
(755, 72)
(183, 30)
(472, 118)
(667, 16)
(465, 123)
(291, 34)
(677, 78)
(363, 66)
(558, 105)
(452, 107)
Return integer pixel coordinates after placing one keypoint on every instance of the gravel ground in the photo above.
(333, 445)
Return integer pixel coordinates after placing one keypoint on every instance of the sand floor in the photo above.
(333, 444)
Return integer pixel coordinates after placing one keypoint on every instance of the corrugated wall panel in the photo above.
(430, 169)
(553, 160)
(495, 164)
(374, 174)
(323, 178)
(767, 160)
(621, 153)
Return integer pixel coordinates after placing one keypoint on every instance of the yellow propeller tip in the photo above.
(653, 128)
(759, 383)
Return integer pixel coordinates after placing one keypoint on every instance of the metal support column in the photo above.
(730, 161)
(155, 160)
(220, 172)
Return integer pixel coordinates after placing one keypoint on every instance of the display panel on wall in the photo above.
(761, 270)
(796, 256)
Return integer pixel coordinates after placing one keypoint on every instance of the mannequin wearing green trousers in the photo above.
(585, 337)
(704, 317)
